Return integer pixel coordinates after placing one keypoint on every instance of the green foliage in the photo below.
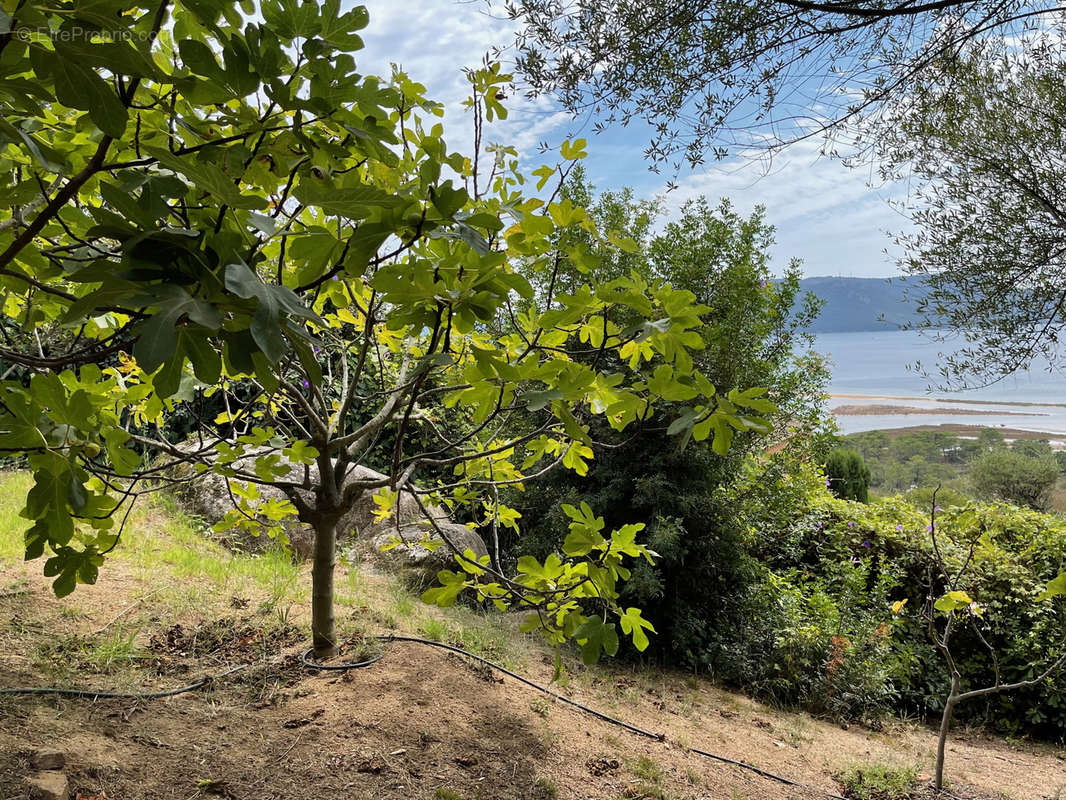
(987, 468)
(879, 782)
(797, 625)
(1015, 477)
(981, 146)
(748, 75)
(668, 487)
(923, 498)
(864, 568)
(234, 221)
(847, 476)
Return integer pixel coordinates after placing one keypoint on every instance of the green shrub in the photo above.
(847, 475)
(879, 782)
(701, 581)
(1016, 477)
(922, 499)
(866, 557)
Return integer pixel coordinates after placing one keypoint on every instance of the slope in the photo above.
(420, 723)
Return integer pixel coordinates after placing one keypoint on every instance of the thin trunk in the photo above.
(945, 725)
(323, 633)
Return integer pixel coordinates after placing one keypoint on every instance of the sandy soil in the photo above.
(886, 409)
(420, 723)
(948, 400)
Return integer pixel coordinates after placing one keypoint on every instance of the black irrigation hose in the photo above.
(606, 718)
(586, 709)
(307, 662)
(386, 638)
(95, 694)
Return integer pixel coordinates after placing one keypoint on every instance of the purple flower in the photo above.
(899, 528)
(937, 508)
(827, 483)
(306, 384)
(866, 544)
(929, 528)
(821, 525)
(763, 284)
(851, 524)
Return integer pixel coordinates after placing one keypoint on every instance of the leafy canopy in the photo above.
(213, 215)
(752, 75)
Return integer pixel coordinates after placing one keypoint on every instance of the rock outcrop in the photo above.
(208, 496)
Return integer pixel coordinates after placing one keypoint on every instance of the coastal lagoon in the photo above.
(873, 371)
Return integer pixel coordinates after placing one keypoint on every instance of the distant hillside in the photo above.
(862, 304)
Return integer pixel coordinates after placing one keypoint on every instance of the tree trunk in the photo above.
(945, 725)
(323, 633)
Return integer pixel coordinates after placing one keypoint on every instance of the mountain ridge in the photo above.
(863, 304)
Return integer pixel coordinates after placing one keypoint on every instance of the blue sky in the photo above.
(826, 214)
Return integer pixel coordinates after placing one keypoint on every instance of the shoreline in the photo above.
(885, 410)
(961, 401)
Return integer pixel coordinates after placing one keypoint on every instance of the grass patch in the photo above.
(647, 770)
(66, 655)
(161, 534)
(879, 782)
(186, 574)
(651, 777)
(13, 489)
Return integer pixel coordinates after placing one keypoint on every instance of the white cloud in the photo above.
(433, 41)
(825, 213)
(830, 216)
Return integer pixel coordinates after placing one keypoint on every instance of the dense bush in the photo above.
(855, 561)
(763, 578)
(847, 475)
(1016, 477)
(670, 486)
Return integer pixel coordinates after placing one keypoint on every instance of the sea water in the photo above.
(879, 368)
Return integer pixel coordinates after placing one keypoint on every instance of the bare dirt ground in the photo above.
(420, 723)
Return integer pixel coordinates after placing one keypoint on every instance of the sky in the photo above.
(827, 215)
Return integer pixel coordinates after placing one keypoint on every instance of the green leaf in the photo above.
(124, 460)
(206, 362)
(574, 150)
(47, 501)
(105, 14)
(447, 199)
(582, 541)
(65, 583)
(118, 57)
(953, 601)
(595, 637)
(78, 86)
(634, 624)
(351, 202)
(157, 337)
(273, 301)
(198, 57)
(544, 174)
(448, 592)
(207, 177)
(1054, 588)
